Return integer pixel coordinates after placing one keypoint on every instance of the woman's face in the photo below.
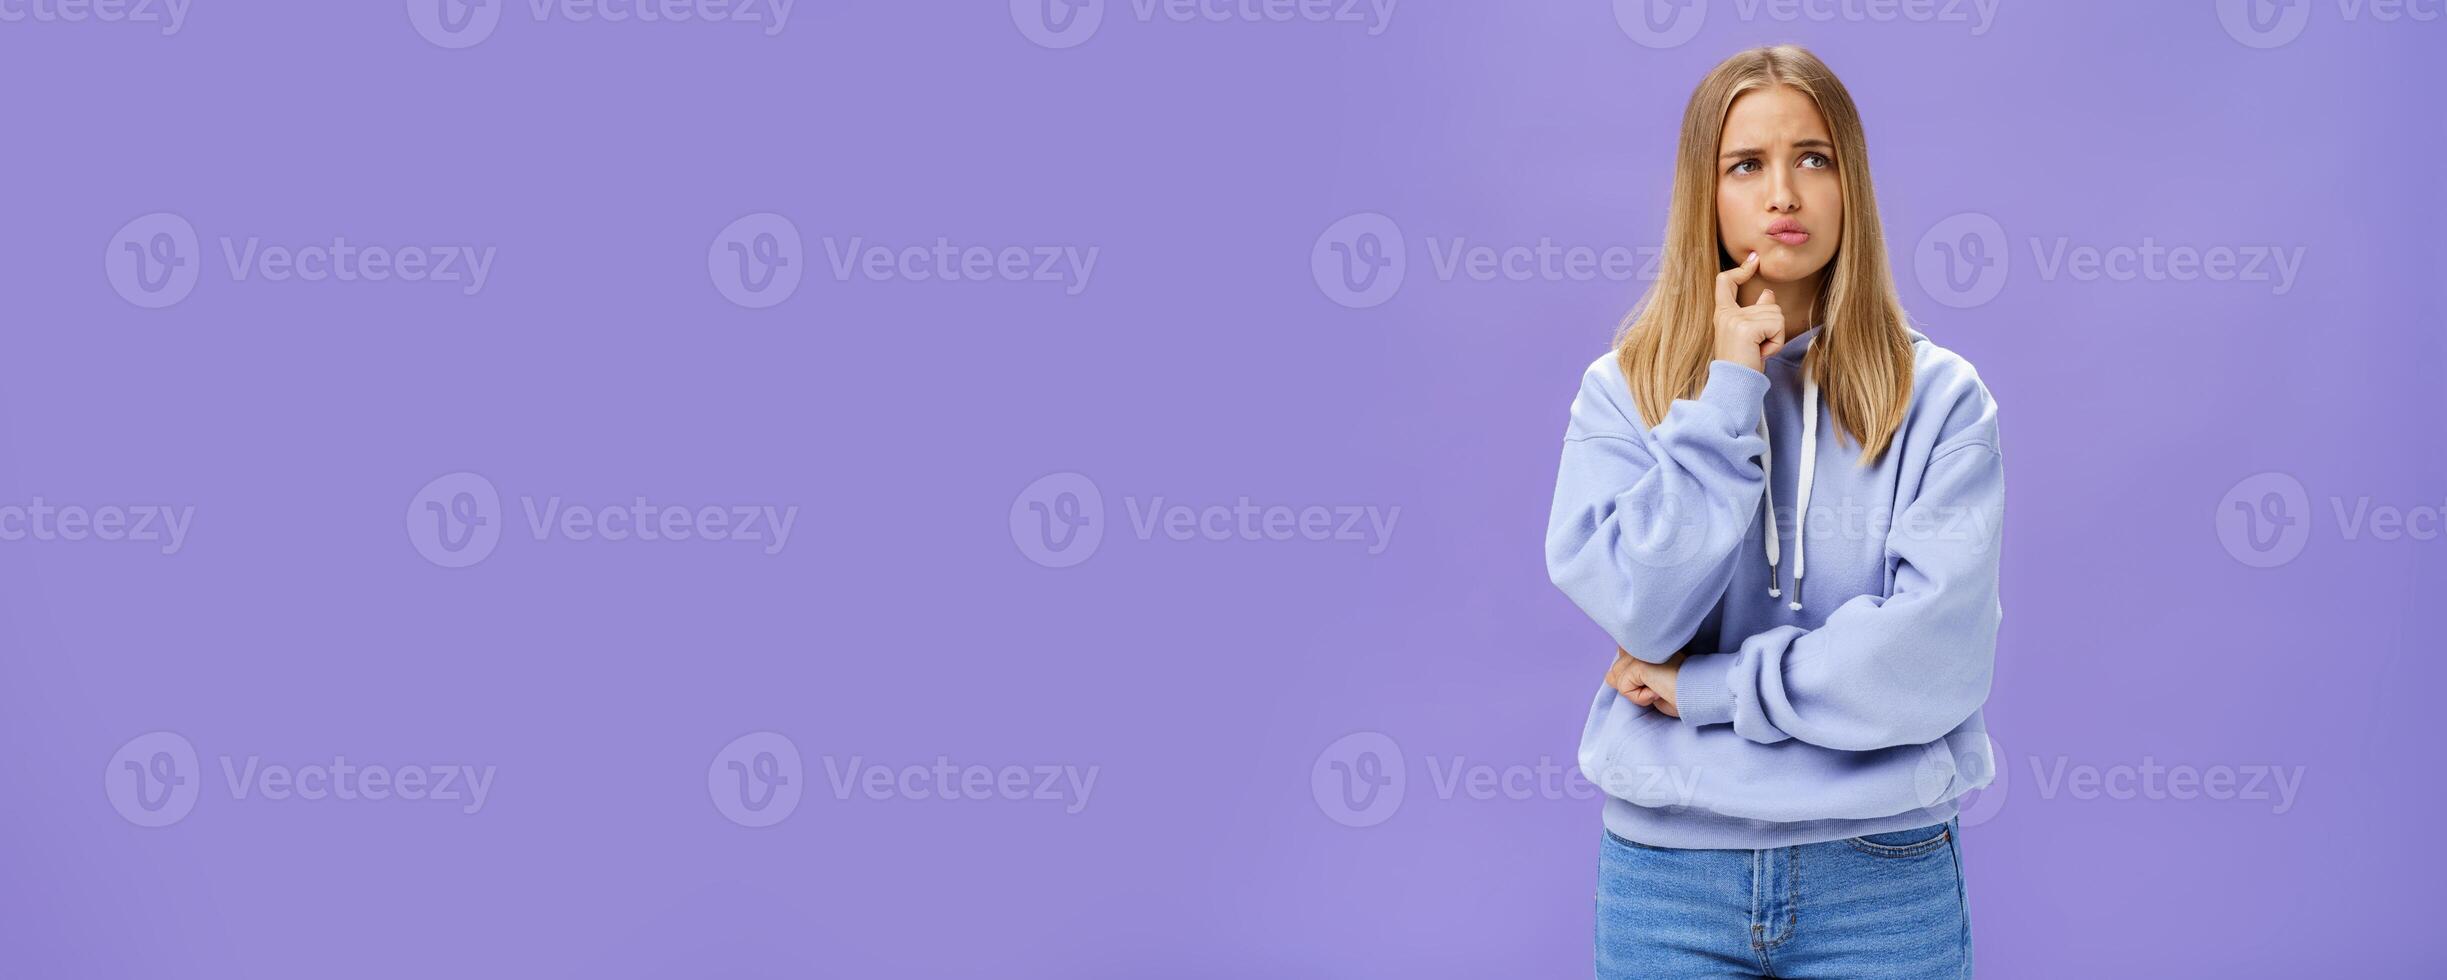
(1776, 190)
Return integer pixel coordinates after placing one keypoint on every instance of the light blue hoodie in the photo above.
(1839, 653)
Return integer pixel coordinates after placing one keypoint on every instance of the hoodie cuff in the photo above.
(1703, 689)
(1737, 391)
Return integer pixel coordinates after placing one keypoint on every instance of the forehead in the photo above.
(1777, 114)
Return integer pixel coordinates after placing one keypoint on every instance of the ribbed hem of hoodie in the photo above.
(1703, 692)
(1736, 391)
(1691, 827)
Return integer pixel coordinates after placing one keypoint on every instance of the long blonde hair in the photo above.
(1862, 356)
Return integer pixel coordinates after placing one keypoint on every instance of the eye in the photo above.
(1816, 161)
(1737, 168)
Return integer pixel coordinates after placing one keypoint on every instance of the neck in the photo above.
(1797, 298)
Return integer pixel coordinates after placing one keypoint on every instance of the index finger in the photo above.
(1727, 280)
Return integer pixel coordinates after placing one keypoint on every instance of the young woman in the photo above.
(1785, 505)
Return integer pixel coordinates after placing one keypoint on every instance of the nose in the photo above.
(1781, 198)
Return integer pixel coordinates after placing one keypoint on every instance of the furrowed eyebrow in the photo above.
(1804, 144)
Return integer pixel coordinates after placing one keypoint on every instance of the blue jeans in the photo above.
(1884, 905)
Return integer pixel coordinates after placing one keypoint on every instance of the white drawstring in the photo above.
(1767, 461)
(1809, 468)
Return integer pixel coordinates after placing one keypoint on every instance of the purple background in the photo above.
(1202, 363)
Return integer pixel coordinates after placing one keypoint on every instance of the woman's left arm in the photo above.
(1882, 671)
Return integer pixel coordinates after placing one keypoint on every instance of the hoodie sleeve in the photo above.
(1645, 523)
(1882, 671)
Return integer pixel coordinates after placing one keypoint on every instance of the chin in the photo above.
(1780, 264)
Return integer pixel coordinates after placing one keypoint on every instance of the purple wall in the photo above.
(305, 508)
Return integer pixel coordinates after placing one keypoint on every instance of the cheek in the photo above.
(1829, 203)
(1730, 212)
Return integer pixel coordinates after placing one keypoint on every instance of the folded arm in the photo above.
(1645, 523)
(1882, 671)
